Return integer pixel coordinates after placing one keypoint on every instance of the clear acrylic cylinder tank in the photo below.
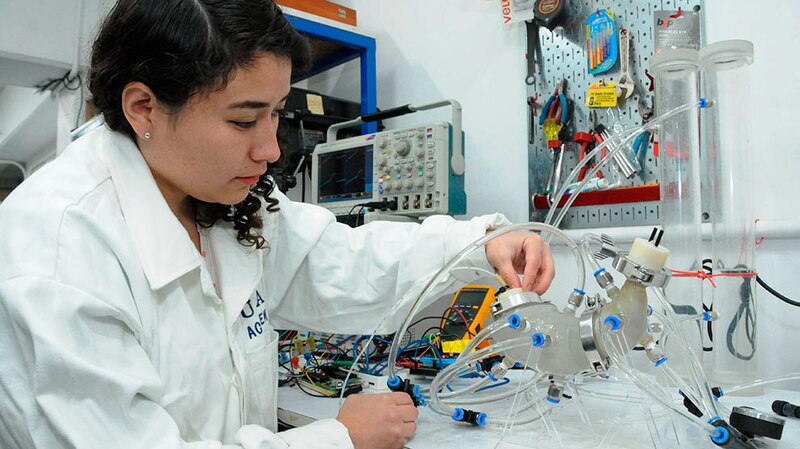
(677, 82)
(728, 143)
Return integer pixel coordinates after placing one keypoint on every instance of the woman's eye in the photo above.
(245, 125)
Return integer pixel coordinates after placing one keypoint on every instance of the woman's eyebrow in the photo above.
(252, 104)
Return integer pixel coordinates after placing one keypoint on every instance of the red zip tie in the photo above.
(700, 274)
(760, 239)
(678, 14)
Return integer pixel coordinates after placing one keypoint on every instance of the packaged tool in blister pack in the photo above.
(601, 41)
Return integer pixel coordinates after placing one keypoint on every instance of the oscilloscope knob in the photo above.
(381, 141)
(402, 147)
(420, 152)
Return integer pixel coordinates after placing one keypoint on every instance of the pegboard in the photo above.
(563, 56)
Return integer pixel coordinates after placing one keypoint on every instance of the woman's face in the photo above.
(218, 145)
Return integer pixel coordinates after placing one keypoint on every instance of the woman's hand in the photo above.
(379, 421)
(526, 254)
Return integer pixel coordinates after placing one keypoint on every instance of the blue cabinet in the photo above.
(342, 46)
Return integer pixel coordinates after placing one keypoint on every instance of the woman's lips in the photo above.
(250, 180)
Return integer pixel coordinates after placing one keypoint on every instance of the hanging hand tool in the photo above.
(532, 105)
(620, 158)
(625, 84)
(534, 50)
(586, 140)
(549, 13)
(555, 115)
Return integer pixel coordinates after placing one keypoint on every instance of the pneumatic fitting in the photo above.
(727, 436)
(404, 385)
(470, 416)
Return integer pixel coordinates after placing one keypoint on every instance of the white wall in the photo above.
(460, 49)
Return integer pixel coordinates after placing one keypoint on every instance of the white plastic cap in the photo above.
(726, 55)
(675, 59)
(648, 255)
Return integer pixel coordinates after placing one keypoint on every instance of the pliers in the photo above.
(587, 139)
(556, 110)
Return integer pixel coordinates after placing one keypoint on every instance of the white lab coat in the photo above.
(116, 333)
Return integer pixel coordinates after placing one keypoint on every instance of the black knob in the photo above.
(784, 408)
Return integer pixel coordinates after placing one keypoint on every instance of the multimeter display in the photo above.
(468, 302)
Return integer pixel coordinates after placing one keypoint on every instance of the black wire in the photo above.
(708, 267)
(775, 293)
(449, 320)
(300, 386)
(745, 310)
(350, 214)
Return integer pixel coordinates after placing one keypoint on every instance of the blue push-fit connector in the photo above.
(514, 321)
(706, 316)
(538, 340)
(661, 361)
(722, 436)
(598, 272)
(703, 103)
(552, 400)
(577, 290)
(613, 321)
(481, 420)
(458, 414)
(393, 382)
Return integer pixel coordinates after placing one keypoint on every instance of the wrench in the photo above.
(533, 122)
(625, 84)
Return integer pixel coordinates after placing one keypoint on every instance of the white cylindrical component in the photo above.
(648, 254)
(676, 74)
(726, 66)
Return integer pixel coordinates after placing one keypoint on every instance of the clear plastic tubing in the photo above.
(726, 66)
(620, 141)
(677, 81)
(694, 370)
(478, 244)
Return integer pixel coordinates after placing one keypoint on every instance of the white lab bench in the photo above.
(434, 431)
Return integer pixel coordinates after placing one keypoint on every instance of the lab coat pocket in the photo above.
(261, 380)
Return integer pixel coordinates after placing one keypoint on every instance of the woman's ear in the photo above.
(138, 105)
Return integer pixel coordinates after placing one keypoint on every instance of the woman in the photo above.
(143, 270)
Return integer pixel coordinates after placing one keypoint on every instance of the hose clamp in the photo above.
(638, 273)
(508, 302)
(597, 359)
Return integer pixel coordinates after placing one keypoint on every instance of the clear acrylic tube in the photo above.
(677, 81)
(729, 156)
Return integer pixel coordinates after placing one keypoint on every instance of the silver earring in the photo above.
(147, 134)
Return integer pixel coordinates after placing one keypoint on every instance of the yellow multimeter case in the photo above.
(469, 309)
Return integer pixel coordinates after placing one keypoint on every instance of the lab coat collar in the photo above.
(164, 248)
(238, 268)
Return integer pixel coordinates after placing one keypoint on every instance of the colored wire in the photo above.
(775, 293)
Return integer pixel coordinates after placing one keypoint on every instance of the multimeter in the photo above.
(469, 309)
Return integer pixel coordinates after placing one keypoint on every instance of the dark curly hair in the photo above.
(181, 48)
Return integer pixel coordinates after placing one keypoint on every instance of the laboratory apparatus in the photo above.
(730, 166)
(591, 337)
(415, 171)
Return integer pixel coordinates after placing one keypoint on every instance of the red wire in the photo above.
(703, 275)
(466, 323)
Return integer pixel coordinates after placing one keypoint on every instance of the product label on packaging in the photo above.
(673, 30)
(602, 95)
(516, 10)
